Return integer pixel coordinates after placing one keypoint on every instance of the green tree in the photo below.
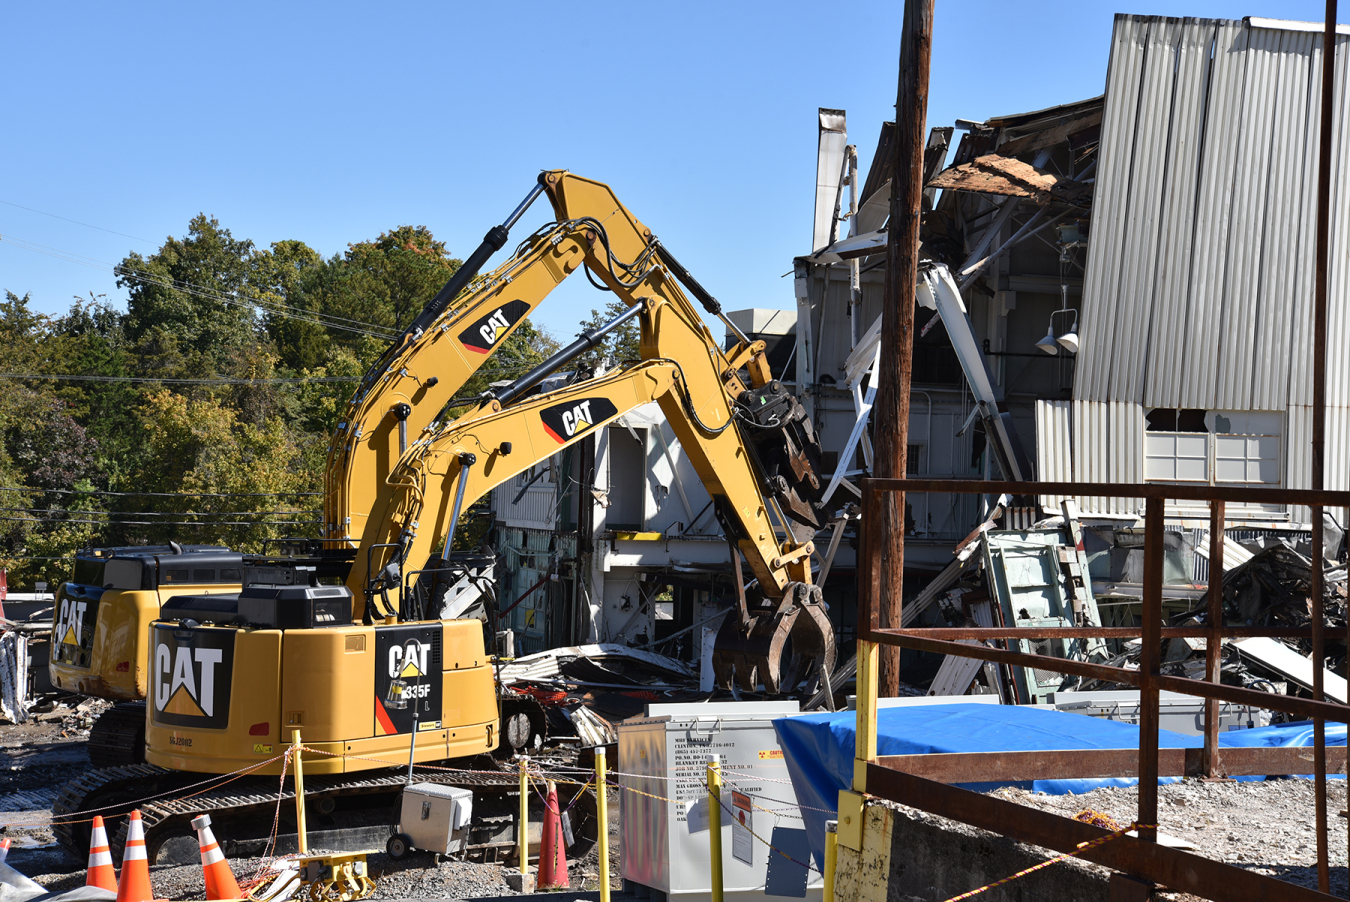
(619, 346)
(203, 449)
(189, 310)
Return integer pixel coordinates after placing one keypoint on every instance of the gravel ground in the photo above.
(1266, 827)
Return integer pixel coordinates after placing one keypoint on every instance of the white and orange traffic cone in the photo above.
(101, 873)
(220, 882)
(552, 848)
(135, 883)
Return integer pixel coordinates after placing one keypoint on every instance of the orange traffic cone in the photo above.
(135, 883)
(552, 850)
(101, 873)
(220, 882)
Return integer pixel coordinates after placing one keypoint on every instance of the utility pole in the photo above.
(897, 322)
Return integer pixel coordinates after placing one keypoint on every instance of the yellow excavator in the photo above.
(102, 613)
(371, 679)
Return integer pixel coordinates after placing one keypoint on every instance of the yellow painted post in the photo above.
(299, 793)
(715, 823)
(523, 829)
(866, 747)
(602, 813)
(831, 857)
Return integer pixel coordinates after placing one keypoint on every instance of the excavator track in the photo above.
(244, 809)
(117, 738)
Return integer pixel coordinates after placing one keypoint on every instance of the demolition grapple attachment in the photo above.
(752, 643)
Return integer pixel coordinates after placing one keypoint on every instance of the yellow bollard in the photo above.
(602, 814)
(523, 831)
(715, 823)
(299, 793)
(831, 857)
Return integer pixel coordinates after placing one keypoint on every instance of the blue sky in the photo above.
(330, 123)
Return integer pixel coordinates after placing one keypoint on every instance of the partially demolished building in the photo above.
(1130, 294)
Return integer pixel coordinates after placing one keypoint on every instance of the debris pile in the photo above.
(1274, 588)
(580, 691)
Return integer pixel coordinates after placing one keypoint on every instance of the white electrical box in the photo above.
(436, 817)
(664, 831)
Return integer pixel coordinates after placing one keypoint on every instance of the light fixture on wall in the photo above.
(1051, 343)
(1048, 343)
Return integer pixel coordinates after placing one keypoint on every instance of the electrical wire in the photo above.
(276, 308)
(164, 522)
(279, 380)
(11, 488)
(11, 203)
(40, 510)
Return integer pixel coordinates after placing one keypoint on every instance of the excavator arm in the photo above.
(404, 392)
(751, 444)
(465, 461)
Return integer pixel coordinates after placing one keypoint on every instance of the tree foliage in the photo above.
(180, 427)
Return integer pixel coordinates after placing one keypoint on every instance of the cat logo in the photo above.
(571, 419)
(482, 336)
(190, 676)
(70, 625)
(73, 630)
(409, 660)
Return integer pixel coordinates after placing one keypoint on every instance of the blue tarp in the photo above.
(818, 748)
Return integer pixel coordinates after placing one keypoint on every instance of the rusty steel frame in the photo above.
(920, 781)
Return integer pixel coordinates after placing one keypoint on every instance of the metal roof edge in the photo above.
(1291, 25)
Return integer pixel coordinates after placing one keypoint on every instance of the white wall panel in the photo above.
(1168, 342)
(1097, 332)
(1054, 446)
(1237, 325)
(1213, 203)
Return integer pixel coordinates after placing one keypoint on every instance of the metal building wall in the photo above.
(1198, 289)
(1198, 285)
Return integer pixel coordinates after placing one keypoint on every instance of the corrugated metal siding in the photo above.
(1054, 446)
(1198, 290)
(1338, 323)
(1206, 180)
(1214, 195)
(1097, 333)
(1108, 446)
(1167, 330)
(537, 508)
(1298, 455)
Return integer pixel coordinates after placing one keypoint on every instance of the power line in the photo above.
(270, 380)
(240, 300)
(44, 510)
(77, 222)
(164, 522)
(12, 488)
(279, 380)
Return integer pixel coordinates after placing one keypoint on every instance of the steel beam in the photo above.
(1172, 868)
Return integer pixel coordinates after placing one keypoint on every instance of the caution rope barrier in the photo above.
(217, 780)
